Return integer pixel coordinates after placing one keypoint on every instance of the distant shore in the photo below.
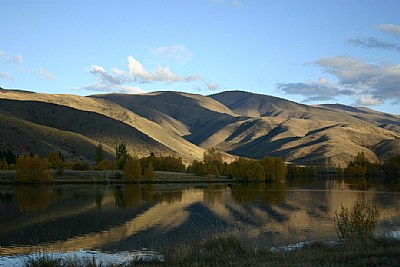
(115, 177)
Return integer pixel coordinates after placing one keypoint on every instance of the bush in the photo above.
(33, 169)
(104, 165)
(80, 166)
(359, 224)
(3, 165)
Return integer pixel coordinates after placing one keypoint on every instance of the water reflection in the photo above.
(33, 198)
(127, 217)
(271, 193)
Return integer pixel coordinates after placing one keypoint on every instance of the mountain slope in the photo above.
(182, 124)
(172, 144)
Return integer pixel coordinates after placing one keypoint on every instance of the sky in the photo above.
(309, 51)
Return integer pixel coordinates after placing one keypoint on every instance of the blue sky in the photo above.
(307, 51)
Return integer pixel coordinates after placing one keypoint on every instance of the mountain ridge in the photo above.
(239, 123)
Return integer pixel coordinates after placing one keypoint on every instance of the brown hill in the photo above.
(182, 124)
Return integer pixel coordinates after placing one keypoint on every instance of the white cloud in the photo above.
(369, 100)
(107, 88)
(390, 29)
(175, 53)
(5, 75)
(46, 74)
(373, 42)
(371, 84)
(103, 76)
(136, 73)
(320, 90)
(212, 86)
(17, 59)
(3, 54)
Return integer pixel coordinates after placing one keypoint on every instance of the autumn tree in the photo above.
(149, 171)
(33, 169)
(132, 169)
(104, 165)
(3, 164)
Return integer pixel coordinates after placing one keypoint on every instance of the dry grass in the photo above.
(230, 251)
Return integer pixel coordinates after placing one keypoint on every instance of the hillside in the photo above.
(182, 124)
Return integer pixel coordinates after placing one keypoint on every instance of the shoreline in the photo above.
(108, 177)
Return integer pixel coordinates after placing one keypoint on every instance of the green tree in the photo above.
(247, 170)
(120, 155)
(212, 155)
(56, 160)
(99, 153)
(275, 168)
(138, 168)
(391, 167)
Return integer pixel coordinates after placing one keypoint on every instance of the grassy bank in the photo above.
(115, 177)
(230, 251)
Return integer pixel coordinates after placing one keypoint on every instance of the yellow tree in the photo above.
(149, 173)
(33, 169)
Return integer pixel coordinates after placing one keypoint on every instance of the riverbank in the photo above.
(230, 251)
(116, 177)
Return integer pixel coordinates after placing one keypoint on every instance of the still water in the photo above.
(114, 218)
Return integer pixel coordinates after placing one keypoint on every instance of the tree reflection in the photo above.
(357, 183)
(132, 195)
(6, 197)
(214, 193)
(33, 198)
(268, 193)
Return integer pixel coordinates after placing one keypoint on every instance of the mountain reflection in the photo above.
(126, 217)
(271, 193)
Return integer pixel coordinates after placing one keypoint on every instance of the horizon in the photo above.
(308, 52)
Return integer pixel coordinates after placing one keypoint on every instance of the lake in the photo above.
(112, 218)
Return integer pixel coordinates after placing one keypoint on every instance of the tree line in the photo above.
(32, 168)
(242, 169)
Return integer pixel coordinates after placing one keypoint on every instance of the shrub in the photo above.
(360, 223)
(80, 166)
(33, 169)
(104, 165)
(3, 165)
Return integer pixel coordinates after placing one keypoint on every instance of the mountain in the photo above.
(182, 124)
